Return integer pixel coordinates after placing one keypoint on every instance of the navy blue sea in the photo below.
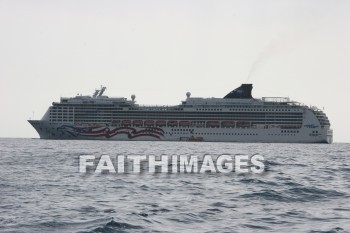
(306, 188)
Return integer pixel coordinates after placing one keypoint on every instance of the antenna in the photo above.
(102, 90)
(95, 93)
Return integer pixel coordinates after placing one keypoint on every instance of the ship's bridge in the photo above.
(91, 100)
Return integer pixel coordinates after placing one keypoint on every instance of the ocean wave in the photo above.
(115, 226)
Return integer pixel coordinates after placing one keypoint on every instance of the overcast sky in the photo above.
(159, 50)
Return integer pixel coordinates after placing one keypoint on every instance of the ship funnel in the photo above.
(242, 92)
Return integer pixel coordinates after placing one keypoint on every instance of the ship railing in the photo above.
(316, 109)
(276, 99)
(158, 107)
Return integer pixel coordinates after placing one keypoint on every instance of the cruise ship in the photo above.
(237, 117)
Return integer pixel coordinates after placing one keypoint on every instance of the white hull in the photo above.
(49, 130)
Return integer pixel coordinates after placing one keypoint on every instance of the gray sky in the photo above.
(159, 50)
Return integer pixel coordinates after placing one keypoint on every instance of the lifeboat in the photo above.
(172, 123)
(213, 124)
(149, 123)
(184, 123)
(228, 124)
(126, 122)
(137, 122)
(243, 124)
(160, 123)
(115, 122)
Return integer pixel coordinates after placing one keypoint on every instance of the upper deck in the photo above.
(201, 103)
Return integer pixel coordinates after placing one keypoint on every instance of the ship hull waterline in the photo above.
(61, 131)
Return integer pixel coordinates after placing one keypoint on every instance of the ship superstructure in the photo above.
(237, 117)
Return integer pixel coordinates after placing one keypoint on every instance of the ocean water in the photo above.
(305, 188)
